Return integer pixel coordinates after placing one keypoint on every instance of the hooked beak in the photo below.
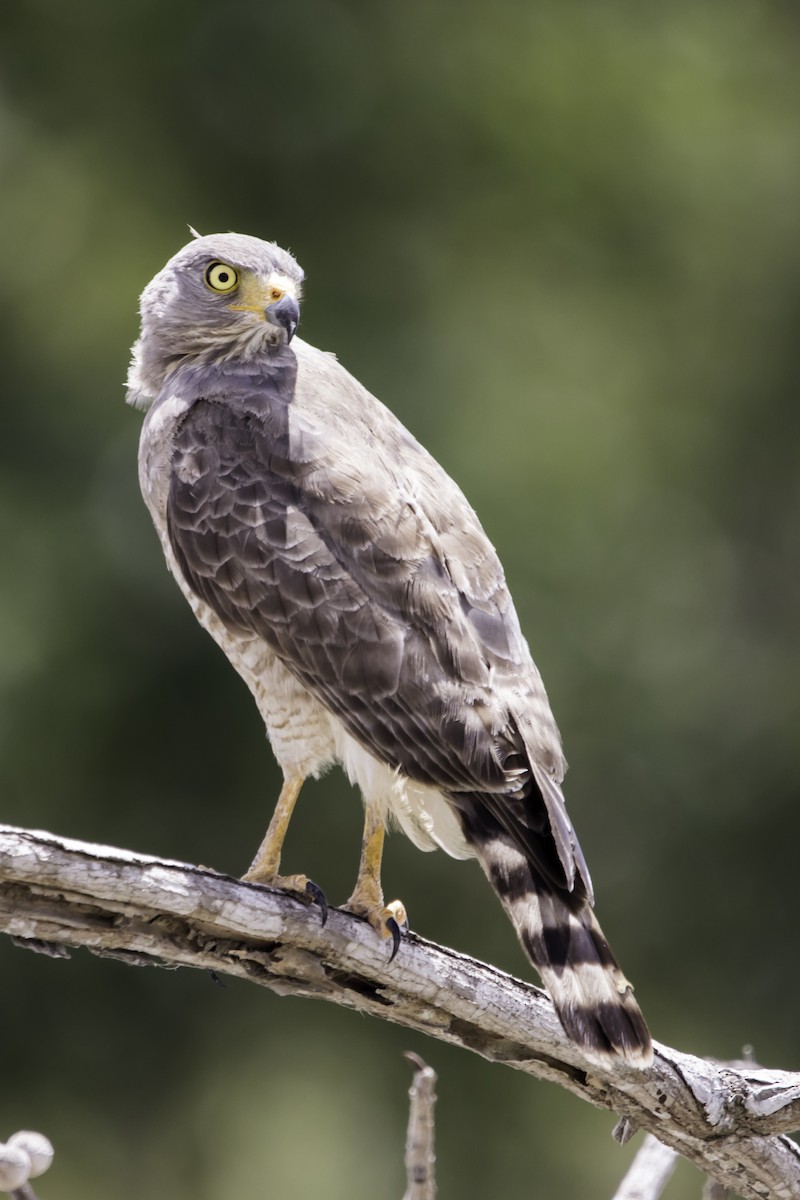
(286, 314)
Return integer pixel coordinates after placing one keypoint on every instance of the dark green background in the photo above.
(562, 241)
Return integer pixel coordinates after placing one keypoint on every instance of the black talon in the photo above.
(317, 896)
(394, 930)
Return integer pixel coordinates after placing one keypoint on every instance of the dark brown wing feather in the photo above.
(372, 579)
(351, 600)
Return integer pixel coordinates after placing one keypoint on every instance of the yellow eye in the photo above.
(221, 278)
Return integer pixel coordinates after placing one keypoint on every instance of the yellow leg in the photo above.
(367, 898)
(265, 867)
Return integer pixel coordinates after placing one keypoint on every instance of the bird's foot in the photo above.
(299, 886)
(388, 920)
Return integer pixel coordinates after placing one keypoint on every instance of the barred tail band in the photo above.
(563, 940)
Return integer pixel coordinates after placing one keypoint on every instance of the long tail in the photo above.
(563, 940)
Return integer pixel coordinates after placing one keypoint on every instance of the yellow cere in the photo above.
(255, 294)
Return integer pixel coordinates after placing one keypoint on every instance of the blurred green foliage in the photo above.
(562, 241)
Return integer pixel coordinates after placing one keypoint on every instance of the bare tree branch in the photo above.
(420, 1157)
(25, 1192)
(650, 1171)
(57, 894)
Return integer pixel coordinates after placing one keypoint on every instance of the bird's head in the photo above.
(222, 297)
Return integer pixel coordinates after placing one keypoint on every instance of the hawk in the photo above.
(351, 585)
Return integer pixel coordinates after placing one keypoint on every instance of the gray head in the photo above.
(223, 296)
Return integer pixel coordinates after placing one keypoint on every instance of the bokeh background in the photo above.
(562, 242)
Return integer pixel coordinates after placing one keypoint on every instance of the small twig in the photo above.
(420, 1157)
(649, 1172)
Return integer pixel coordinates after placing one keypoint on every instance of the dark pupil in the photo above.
(223, 277)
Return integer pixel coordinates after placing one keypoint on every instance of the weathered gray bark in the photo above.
(57, 894)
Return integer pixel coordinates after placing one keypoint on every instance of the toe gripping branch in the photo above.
(389, 920)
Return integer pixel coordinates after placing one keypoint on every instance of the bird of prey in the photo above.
(351, 585)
